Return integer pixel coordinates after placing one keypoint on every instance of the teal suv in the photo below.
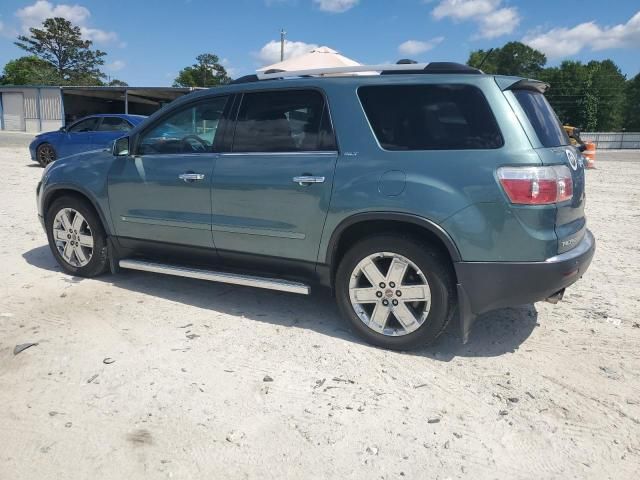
(419, 193)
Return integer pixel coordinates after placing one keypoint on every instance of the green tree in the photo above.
(207, 72)
(590, 96)
(570, 84)
(28, 71)
(117, 83)
(60, 44)
(632, 105)
(513, 58)
(608, 86)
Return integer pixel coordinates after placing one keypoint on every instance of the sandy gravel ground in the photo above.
(217, 381)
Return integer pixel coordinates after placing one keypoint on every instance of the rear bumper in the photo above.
(485, 286)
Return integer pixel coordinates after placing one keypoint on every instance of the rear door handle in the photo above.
(307, 180)
(189, 177)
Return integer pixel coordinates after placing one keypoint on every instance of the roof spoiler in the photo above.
(516, 83)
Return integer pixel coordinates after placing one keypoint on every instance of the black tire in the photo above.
(45, 154)
(99, 260)
(433, 266)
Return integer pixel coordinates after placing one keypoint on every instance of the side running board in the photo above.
(223, 277)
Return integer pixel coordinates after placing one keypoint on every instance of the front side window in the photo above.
(114, 124)
(87, 125)
(542, 117)
(190, 130)
(430, 117)
(283, 121)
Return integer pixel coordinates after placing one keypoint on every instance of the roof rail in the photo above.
(384, 69)
(439, 68)
(244, 79)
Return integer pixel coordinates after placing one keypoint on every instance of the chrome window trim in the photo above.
(195, 154)
(279, 154)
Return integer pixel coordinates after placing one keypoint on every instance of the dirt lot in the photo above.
(544, 391)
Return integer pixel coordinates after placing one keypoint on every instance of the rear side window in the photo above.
(88, 125)
(542, 118)
(114, 124)
(283, 121)
(430, 117)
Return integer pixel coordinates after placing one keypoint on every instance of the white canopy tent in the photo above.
(321, 57)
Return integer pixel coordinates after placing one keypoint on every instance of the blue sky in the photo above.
(149, 42)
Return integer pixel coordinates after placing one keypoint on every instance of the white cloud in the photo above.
(115, 66)
(98, 36)
(33, 16)
(464, 9)
(270, 52)
(415, 47)
(498, 23)
(336, 6)
(492, 20)
(231, 70)
(563, 42)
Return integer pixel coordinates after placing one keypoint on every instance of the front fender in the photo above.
(85, 174)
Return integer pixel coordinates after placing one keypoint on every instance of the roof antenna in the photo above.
(479, 67)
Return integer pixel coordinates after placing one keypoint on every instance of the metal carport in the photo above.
(42, 108)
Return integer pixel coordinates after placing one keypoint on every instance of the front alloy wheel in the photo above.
(73, 237)
(45, 154)
(76, 236)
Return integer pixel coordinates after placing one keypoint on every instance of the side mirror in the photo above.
(582, 147)
(121, 147)
(63, 129)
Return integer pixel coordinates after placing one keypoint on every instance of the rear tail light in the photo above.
(536, 185)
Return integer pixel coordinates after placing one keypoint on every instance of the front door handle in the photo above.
(189, 177)
(303, 180)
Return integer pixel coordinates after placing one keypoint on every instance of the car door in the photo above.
(79, 137)
(108, 130)
(271, 192)
(162, 193)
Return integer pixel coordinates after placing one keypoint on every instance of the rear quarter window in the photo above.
(542, 117)
(430, 117)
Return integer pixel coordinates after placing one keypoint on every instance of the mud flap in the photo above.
(467, 317)
(114, 259)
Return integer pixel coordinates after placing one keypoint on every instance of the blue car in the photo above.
(89, 133)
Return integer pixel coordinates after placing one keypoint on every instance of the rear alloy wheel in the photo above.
(45, 154)
(76, 237)
(394, 303)
(396, 291)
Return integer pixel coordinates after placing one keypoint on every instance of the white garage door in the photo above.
(13, 111)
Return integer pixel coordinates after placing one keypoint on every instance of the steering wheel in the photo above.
(186, 140)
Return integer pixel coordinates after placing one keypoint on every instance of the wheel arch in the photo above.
(67, 190)
(46, 141)
(359, 225)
